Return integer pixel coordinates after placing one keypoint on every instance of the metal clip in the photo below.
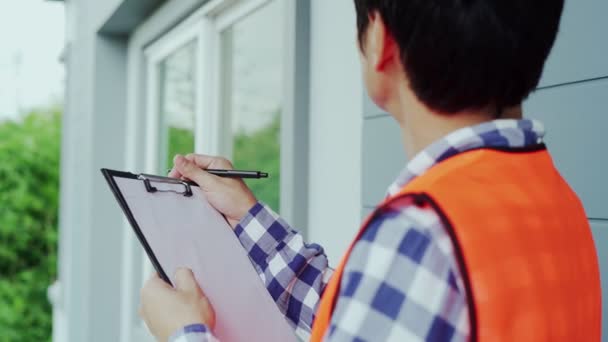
(148, 179)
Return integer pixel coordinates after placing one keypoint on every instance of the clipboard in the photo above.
(177, 227)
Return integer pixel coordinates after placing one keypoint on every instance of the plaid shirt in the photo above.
(401, 282)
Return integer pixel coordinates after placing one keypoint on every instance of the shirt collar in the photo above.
(504, 133)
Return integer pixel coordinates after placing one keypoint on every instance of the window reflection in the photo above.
(177, 104)
(252, 76)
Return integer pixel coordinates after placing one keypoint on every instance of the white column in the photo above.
(335, 127)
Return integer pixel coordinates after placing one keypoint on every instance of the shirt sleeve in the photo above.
(295, 273)
(402, 283)
(193, 333)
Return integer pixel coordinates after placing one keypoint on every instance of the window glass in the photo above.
(252, 77)
(177, 104)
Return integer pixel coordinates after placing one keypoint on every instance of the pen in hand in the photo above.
(236, 173)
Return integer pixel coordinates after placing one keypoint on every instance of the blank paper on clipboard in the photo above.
(181, 230)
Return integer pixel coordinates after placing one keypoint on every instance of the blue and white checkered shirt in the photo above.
(401, 282)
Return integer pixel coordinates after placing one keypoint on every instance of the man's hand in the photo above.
(166, 310)
(229, 196)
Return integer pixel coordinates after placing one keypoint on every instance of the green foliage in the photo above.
(260, 150)
(181, 141)
(29, 188)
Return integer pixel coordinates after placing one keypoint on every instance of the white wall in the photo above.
(90, 223)
(335, 127)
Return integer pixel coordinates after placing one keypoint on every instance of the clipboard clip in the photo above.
(148, 179)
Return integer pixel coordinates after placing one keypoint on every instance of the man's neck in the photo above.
(420, 126)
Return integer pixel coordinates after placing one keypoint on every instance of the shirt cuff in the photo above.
(193, 333)
(260, 232)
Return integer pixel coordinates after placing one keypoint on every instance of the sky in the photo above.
(32, 37)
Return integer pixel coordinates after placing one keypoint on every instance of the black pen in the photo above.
(237, 173)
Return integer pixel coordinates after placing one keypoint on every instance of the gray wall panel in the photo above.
(370, 109)
(366, 212)
(383, 157)
(576, 122)
(579, 53)
(600, 235)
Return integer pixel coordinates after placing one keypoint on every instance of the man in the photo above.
(479, 238)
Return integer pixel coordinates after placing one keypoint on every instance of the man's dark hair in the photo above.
(469, 54)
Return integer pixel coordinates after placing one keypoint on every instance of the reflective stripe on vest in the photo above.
(523, 244)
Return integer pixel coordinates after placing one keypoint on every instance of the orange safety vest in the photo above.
(522, 241)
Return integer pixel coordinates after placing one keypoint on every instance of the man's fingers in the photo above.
(153, 285)
(193, 172)
(142, 315)
(185, 281)
(174, 172)
(209, 162)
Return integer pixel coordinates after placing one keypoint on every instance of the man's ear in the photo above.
(382, 50)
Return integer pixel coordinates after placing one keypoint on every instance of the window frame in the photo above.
(204, 27)
(172, 25)
(155, 55)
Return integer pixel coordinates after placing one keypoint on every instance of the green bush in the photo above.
(260, 150)
(29, 188)
(181, 141)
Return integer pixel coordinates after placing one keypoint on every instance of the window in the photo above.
(252, 100)
(220, 82)
(172, 96)
(177, 87)
(235, 109)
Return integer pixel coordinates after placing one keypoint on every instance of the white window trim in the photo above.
(155, 55)
(206, 24)
(205, 27)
